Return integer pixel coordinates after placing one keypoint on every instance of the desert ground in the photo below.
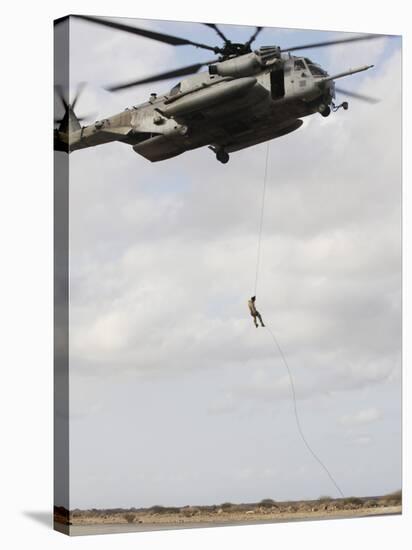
(265, 511)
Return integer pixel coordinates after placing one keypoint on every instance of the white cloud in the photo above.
(363, 440)
(162, 260)
(362, 417)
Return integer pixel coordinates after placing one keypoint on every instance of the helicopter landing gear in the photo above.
(324, 110)
(344, 106)
(221, 155)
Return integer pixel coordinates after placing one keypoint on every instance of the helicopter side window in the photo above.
(299, 65)
(176, 89)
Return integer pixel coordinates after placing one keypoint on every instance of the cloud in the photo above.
(163, 259)
(360, 418)
(224, 405)
(363, 440)
(163, 256)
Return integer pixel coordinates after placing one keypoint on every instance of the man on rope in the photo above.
(254, 312)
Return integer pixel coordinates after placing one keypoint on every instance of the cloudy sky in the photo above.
(175, 397)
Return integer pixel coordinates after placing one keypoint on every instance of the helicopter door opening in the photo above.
(277, 84)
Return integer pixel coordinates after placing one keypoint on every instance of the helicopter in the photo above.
(244, 98)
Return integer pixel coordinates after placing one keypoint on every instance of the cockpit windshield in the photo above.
(315, 69)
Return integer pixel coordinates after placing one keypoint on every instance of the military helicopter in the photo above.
(244, 98)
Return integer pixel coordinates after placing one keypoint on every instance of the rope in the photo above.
(292, 385)
(262, 211)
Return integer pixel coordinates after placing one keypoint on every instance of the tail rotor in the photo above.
(69, 122)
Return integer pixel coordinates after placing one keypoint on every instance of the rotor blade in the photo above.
(87, 116)
(79, 90)
(160, 37)
(60, 94)
(253, 37)
(355, 95)
(190, 69)
(219, 32)
(332, 42)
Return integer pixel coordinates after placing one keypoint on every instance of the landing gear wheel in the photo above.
(326, 111)
(222, 156)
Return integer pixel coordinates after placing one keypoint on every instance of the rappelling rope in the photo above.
(262, 212)
(302, 435)
(292, 385)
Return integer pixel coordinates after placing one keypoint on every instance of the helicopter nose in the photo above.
(329, 89)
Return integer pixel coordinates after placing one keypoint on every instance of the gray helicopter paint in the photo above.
(225, 112)
(210, 96)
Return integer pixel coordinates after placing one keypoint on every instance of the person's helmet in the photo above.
(253, 298)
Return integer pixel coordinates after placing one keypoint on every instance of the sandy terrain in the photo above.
(239, 517)
(267, 511)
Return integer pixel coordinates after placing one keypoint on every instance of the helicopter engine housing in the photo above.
(246, 65)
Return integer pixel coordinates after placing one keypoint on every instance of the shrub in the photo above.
(156, 509)
(189, 511)
(324, 498)
(267, 503)
(370, 504)
(352, 501)
(164, 509)
(392, 499)
(130, 518)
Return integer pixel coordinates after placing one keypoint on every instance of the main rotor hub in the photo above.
(233, 49)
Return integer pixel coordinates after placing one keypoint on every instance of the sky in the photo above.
(175, 397)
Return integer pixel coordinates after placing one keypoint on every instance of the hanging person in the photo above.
(254, 312)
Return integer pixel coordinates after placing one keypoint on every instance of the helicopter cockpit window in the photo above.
(317, 71)
(176, 89)
(299, 65)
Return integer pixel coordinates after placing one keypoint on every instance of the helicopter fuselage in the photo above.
(239, 103)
